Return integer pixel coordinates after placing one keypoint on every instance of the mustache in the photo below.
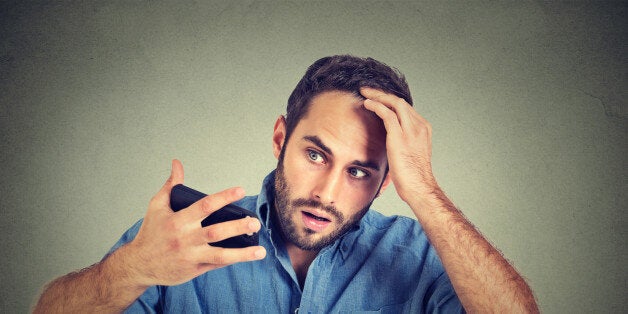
(330, 209)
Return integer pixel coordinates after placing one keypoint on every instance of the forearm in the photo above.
(483, 279)
(169, 248)
(106, 287)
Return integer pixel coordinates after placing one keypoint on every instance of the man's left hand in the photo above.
(408, 144)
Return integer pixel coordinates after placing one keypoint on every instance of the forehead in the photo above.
(340, 119)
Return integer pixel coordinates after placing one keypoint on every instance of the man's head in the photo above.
(331, 151)
(342, 73)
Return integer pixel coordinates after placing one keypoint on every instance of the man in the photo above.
(349, 132)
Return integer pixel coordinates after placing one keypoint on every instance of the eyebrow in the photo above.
(317, 141)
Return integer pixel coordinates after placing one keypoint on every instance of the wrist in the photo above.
(417, 188)
(430, 202)
(125, 266)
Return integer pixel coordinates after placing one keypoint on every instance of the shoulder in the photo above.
(401, 228)
(395, 252)
(398, 235)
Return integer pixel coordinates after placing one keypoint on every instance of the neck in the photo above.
(301, 260)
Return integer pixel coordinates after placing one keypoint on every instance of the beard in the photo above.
(286, 207)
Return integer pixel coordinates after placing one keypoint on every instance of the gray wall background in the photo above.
(527, 101)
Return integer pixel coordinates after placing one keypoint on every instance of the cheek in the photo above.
(364, 190)
(359, 199)
(356, 196)
(297, 174)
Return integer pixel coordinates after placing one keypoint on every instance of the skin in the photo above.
(170, 248)
(383, 129)
(483, 279)
(334, 158)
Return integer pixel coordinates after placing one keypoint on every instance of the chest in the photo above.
(371, 282)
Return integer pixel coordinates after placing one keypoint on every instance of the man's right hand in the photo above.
(171, 247)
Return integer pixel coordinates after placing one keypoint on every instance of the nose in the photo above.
(328, 187)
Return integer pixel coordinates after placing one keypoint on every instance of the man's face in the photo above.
(329, 171)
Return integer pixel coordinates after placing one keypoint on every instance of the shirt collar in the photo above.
(266, 199)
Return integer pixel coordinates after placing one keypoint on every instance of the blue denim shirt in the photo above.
(385, 264)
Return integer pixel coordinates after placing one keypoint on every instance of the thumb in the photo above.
(176, 173)
(176, 177)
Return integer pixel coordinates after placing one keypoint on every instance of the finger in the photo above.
(391, 100)
(389, 117)
(410, 119)
(228, 229)
(176, 177)
(218, 256)
(209, 204)
(404, 111)
(177, 172)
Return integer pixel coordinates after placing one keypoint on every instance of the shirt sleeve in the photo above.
(127, 237)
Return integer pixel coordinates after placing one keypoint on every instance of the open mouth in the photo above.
(313, 222)
(315, 217)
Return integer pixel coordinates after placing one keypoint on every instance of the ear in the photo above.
(385, 184)
(279, 136)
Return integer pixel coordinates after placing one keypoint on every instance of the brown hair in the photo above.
(344, 73)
